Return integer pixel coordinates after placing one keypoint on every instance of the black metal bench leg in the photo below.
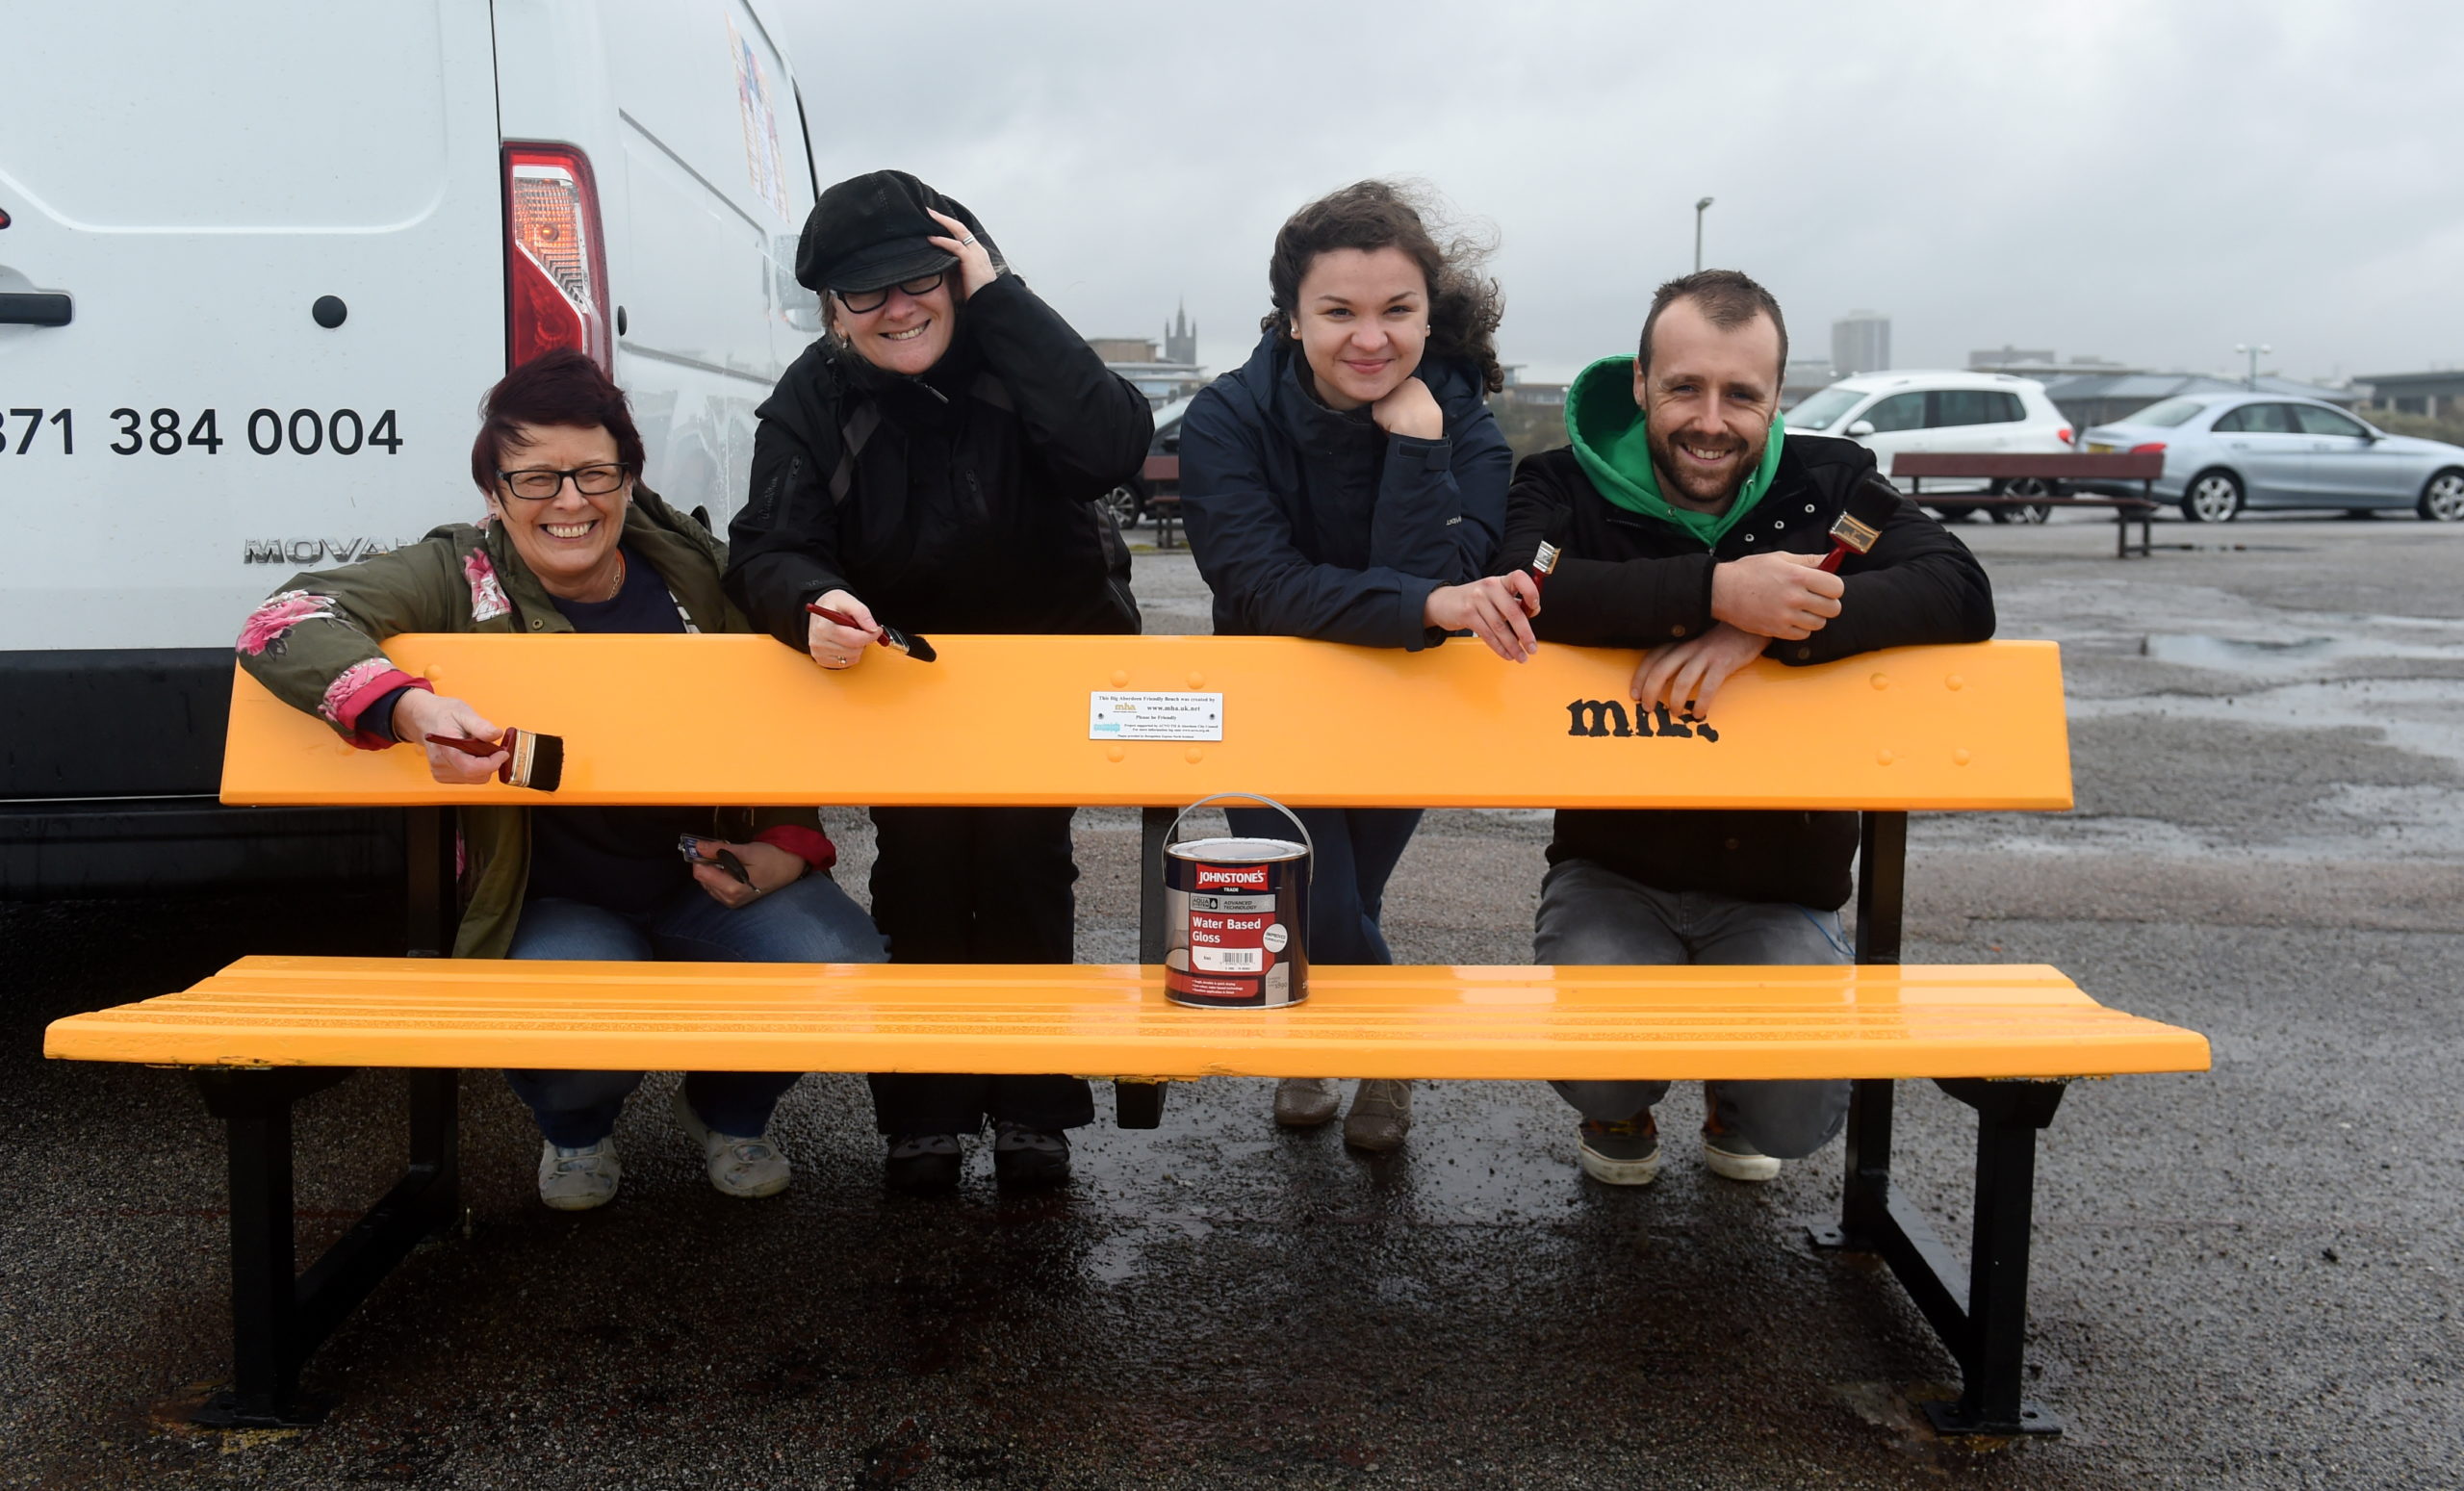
(278, 1317)
(1139, 1105)
(254, 1105)
(1992, 1354)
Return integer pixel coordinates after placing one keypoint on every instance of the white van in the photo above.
(258, 261)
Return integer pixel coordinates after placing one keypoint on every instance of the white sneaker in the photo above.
(575, 1180)
(1734, 1156)
(737, 1166)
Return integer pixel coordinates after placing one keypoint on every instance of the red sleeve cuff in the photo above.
(809, 845)
(347, 709)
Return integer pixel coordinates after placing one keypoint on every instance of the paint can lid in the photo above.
(1236, 851)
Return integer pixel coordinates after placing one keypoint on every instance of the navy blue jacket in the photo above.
(1312, 524)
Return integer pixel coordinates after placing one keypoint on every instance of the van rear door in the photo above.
(278, 226)
(715, 186)
(274, 228)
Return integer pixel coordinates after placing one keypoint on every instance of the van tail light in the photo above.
(556, 258)
(2065, 433)
(2151, 448)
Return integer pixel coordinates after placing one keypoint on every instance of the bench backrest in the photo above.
(1018, 720)
(2117, 465)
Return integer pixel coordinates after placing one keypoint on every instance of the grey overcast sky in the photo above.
(2151, 181)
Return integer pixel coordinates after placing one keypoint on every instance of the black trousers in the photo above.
(975, 884)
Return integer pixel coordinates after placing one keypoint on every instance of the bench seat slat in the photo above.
(1504, 1022)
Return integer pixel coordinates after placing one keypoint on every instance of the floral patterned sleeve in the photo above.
(317, 642)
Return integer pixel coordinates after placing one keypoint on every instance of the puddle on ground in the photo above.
(2239, 654)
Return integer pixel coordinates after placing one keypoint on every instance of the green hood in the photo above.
(1607, 429)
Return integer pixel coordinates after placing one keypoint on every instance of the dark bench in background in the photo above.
(2051, 475)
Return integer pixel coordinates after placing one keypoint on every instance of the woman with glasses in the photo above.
(1347, 483)
(572, 542)
(934, 463)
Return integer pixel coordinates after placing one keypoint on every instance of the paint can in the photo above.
(1236, 917)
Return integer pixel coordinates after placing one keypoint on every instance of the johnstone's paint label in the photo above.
(1235, 923)
(1117, 716)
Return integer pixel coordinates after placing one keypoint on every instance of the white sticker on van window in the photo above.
(761, 156)
(1112, 716)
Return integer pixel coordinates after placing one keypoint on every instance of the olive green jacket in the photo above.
(317, 645)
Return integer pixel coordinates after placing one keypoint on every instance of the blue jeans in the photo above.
(1592, 914)
(1352, 853)
(809, 921)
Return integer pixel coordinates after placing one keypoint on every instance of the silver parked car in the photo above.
(2227, 452)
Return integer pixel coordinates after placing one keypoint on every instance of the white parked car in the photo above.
(260, 259)
(1971, 413)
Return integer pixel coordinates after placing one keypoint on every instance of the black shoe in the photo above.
(923, 1164)
(1022, 1156)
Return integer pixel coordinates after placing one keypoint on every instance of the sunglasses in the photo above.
(861, 301)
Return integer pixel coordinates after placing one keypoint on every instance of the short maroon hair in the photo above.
(559, 387)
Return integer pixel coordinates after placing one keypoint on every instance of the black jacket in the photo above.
(1310, 523)
(1630, 580)
(966, 499)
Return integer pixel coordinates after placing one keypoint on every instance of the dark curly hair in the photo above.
(1464, 305)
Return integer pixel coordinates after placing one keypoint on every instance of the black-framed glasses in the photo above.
(539, 484)
(861, 301)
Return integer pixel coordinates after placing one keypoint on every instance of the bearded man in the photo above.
(1693, 527)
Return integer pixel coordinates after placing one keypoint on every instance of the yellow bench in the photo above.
(1013, 721)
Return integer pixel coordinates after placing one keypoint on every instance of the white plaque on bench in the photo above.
(1140, 716)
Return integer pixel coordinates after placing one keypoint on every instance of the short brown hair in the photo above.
(1727, 299)
(558, 387)
(1464, 305)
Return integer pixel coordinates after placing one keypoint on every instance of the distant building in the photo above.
(1180, 338)
(2436, 394)
(2004, 356)
(1521, 393)
(1804, 376)
(2042, 365)
(2105, 398)
(1163, 373)
(1861, 343)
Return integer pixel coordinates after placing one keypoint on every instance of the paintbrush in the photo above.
(531, 760)
(1544, 559)
(1859, 523)
(891, 637)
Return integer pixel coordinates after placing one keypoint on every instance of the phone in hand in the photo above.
(690, 846)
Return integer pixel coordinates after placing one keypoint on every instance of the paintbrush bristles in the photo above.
(534, 760)
(1860, 525)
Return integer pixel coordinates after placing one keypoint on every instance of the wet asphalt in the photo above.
(2247, 1277)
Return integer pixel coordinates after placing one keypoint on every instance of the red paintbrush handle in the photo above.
(842, 619)
(1829, 564)
(466, 745)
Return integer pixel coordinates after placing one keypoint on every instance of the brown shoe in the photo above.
(1305, 1102)
(1382, 1115)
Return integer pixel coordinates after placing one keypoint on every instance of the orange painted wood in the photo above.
(1526, 1023)
(1003, 720)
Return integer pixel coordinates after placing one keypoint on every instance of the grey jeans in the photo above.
(1592, 914)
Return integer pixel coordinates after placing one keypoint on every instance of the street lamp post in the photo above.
(1700, 208)
(2254, 350)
